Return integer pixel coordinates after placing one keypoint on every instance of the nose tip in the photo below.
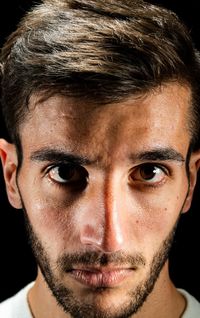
(106, 232)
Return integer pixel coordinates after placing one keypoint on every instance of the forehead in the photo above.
(159, 118)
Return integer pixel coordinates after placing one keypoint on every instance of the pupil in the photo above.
(148, 172)
(66, 172)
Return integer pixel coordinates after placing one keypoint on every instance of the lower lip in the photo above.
(100, 279)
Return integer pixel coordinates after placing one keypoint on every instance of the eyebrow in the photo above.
(57, 155)
(54, 155)
(159, 154)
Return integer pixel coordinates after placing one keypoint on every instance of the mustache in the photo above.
(93, 258)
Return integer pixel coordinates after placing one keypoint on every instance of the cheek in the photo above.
(53, 224)
(49, 211)
(157, 214)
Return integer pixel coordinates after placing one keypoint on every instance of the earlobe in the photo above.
(9, 161)
(194, 166)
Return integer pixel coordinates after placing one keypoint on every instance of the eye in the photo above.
(69, 174)
(149, 173)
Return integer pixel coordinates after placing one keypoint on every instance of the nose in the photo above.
(105, 225)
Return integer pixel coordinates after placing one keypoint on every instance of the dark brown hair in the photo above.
(98, 50)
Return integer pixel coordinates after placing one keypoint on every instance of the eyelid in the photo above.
(163, 166)
(59, 164)
(52, 165)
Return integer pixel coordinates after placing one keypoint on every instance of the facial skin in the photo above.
(103, 188)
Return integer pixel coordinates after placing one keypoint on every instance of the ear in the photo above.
(193, 169)
(9, 162)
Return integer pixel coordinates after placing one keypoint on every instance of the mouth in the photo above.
(103, 277)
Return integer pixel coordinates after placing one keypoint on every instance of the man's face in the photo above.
(103, 188)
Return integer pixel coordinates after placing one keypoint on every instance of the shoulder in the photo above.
(192, 305)
(16, 306)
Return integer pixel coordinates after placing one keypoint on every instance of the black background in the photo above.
(17, 265)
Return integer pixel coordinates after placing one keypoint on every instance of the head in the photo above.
(101, 101)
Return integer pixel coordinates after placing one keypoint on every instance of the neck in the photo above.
(164, 301)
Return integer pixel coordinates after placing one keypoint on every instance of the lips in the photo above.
(97, 278)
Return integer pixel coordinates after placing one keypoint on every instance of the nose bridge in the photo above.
(114, 227)
(106, 228)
